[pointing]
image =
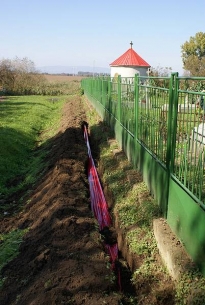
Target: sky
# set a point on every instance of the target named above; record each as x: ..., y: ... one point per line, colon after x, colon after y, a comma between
x: 95, y: 33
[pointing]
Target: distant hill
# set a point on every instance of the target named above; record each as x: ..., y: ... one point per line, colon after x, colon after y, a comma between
x: 72, y: 69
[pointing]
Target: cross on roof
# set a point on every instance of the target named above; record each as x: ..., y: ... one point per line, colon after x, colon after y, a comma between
x: 131, y: 43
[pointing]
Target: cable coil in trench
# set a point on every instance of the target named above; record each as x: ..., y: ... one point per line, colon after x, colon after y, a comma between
x: 99, y: 205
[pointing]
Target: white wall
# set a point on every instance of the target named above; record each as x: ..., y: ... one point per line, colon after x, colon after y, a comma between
x: 128, y: 71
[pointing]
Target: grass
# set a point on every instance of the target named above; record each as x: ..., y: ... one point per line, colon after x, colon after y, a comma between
x: 9, y: 247
x: 26, y: 124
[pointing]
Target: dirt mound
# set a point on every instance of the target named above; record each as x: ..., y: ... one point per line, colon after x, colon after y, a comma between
x: 61, y: 260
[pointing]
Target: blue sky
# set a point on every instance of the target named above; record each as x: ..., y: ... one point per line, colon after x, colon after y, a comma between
x: 95, y: 33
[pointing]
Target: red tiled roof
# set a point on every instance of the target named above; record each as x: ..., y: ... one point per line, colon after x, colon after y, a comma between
x: 130, y: 58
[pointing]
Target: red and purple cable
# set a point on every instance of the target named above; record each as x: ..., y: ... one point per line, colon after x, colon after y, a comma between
x: 99, y: 205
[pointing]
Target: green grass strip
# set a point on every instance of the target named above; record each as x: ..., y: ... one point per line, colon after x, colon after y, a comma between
x: 26, y: 123
x: 9, y: 246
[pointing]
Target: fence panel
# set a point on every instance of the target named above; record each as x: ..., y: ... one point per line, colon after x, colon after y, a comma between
x: 127, y: 104
x: 152, y: 119
x: 190, y: 137
x: 114, y: 97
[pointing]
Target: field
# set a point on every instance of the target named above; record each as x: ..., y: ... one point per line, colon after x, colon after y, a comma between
x: 62, y: 78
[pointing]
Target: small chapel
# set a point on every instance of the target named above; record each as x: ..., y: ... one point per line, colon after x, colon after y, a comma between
x: 129, y: 64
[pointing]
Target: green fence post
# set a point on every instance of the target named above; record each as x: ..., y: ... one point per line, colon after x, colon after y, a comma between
x: 90, y: 86
x: 136, y: 118
x: 119, y: 97
x: 103, y: 92
x: 171, y: 129
x: 93, y: 84
x: 136, y: 99
x: 109, y: 101
x: 169, y: 123
x: 174, y: 121
x: 98, y: 89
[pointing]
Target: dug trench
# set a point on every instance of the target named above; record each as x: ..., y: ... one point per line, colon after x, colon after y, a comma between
x: 61, y: 259
x: 110, y: 234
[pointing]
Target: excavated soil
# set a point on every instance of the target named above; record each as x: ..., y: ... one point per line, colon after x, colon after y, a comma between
x: 62, y: 259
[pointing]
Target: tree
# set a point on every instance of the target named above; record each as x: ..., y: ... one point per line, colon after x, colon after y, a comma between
x: 160, y: 74
x: 160, y: 71
x: 6, y: 74
x: 19, y: 76
x: 193, y: 55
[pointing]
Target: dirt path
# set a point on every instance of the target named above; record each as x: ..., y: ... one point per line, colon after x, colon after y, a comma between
x: 61, y: 260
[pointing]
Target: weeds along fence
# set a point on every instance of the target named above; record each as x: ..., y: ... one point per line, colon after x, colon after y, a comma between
x: 159, y: 122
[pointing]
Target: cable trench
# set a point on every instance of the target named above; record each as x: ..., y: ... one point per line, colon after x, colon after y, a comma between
x: 99, y: 207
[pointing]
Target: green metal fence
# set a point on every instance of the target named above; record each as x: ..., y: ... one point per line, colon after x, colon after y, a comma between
x: 164, y: 114
x: 160, y: 124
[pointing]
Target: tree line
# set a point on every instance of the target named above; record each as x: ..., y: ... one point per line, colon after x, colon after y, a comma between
x: 19, y: 76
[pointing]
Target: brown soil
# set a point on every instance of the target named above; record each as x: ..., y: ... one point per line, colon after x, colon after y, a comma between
x: 62, y: 258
